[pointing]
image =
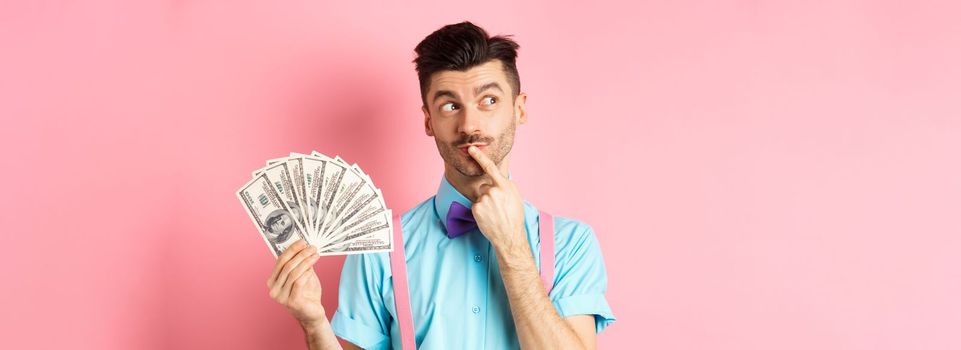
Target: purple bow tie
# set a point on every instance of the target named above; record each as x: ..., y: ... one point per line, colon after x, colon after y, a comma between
x: 460, y: 220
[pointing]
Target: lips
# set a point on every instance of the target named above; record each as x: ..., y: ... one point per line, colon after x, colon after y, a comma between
x: 463, y: 148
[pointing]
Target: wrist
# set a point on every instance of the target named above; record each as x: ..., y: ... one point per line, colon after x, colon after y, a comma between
x: 510, y: 242
x: 316, y: 325
x: 320, y: 334
x: 514, y: 256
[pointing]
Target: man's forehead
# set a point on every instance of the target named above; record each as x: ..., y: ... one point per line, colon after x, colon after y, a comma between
x: 473, y: 78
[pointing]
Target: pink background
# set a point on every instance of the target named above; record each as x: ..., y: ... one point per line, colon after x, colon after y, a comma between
x: 761, y: 175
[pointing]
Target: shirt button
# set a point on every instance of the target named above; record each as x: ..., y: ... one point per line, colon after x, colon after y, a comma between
x: 475, y: 309
x: 478, y: 258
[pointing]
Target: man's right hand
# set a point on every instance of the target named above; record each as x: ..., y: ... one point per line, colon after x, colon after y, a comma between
x: 295, y: 285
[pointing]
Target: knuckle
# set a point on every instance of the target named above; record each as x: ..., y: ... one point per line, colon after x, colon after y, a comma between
x: 304, y: 253
x: 286, y: 271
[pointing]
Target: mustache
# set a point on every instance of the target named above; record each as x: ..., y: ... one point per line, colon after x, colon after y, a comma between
x: 469, y: 139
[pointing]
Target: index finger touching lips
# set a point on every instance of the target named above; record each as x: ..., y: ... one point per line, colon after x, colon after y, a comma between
x: 486, y: 163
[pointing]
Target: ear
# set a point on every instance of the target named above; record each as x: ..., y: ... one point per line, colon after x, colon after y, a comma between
x: 520, y: 108
x: 427, y: 128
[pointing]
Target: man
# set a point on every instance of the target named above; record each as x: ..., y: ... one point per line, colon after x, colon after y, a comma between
x: 468, y: 290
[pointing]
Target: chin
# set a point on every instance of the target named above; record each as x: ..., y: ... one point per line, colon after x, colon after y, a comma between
x: 469, y: 169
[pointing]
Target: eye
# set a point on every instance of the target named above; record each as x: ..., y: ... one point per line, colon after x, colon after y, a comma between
x: 448, y: 107
x: 492, y: 100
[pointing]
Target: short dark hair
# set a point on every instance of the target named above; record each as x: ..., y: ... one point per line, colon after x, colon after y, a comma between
x: 463, y: 46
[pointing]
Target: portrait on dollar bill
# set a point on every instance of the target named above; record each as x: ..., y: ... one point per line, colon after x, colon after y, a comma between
x: 280, y: 226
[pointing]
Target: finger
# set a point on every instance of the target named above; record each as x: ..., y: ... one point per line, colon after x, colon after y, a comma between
x: 298, y: 279
x: 304, y: 267
x: 298, y: 286
x: 277, y: 291
x: 299, y: 271
x: 483, y: 189
x: 487, y: 164
x: 284, y: 258
x: 291, y: 265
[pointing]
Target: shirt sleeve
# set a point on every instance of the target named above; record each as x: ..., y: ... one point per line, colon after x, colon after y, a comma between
x: 580, y: 279
x: 362, y: 317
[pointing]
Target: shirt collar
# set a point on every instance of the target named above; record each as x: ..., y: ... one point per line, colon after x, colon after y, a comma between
x: 447, y: 194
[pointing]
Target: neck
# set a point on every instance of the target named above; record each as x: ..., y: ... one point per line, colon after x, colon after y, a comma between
x: 469, y: 186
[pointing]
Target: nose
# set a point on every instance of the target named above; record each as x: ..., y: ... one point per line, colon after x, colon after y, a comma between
x: 470, y: 121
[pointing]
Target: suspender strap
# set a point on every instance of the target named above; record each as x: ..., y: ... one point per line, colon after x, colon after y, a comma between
x: 547, y: 249
x: 398, y: 267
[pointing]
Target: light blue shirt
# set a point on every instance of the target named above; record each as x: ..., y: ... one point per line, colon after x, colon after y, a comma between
x: 458, y: 300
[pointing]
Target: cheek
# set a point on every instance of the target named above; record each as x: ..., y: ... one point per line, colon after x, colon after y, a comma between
x: 443, y: 132
x: 502, y: 125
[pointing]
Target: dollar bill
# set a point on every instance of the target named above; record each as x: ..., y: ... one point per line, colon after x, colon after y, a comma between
x: 334, y: 174
x: 274, y: 220
x: 366, y: 196
x: 296, y: 167
x: 279, y: 174
x: 314, y: 169
x: 350, y: 184
x: 363, y: 214
x: 326, y: 201
x: 373, y: 235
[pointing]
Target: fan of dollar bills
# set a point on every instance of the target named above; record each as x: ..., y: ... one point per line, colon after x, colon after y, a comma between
x: 330, y: 204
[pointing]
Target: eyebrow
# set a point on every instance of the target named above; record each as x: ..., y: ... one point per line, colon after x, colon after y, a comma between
x: 477, y: 91
x: 484, y: 87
